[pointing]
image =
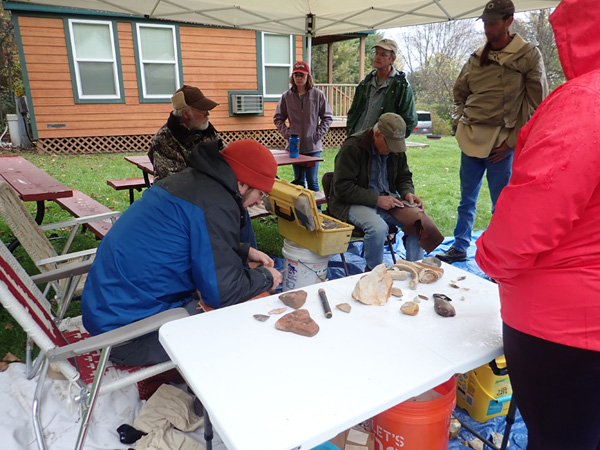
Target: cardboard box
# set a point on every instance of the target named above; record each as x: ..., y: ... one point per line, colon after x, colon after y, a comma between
x: 358, y: 437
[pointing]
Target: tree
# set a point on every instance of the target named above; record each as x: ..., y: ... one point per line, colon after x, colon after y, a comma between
x: 345, y: 60
x: 11, y: 79
x: 537, y: 28
x: 433, y: 55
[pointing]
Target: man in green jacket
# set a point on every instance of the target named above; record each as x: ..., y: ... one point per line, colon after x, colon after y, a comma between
x: 383, y: 90
x: 372, y: 187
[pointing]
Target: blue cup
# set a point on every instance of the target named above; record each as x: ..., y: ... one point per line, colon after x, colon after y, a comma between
x: 294, y: 141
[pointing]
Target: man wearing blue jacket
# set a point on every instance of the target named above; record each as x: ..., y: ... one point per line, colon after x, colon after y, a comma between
x: 182, y: 238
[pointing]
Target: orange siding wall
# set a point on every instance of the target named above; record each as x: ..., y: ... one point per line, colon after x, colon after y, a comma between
x: 216, y: 60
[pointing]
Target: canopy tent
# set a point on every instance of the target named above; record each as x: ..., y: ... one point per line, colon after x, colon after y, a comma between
x: 299, y: 17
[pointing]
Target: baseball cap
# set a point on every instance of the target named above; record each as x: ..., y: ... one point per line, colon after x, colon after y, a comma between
x: 192, y: 96
x: 393, y: 129
x: 301, y: 67
x: 252, y: 163
x: 387, y: 44
x: 496, y: 9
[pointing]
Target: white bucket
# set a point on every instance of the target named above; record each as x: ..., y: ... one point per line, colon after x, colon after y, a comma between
x: 302, y: 267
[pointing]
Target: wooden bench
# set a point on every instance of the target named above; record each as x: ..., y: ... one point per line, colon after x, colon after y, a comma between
x: 80, y: 205
x: 129, y: 183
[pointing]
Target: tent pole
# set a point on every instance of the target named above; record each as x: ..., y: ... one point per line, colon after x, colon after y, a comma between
x: 310, y: 29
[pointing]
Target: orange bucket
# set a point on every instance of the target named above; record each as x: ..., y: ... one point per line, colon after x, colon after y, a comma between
x: 414, y: 425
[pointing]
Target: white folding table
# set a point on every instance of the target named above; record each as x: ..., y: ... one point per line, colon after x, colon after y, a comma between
x: 266, y: 389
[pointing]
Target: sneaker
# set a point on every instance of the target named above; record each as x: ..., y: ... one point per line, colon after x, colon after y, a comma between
x: 452, y: 255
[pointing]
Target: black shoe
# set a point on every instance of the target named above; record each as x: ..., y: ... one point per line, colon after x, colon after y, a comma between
x: 451, y: 256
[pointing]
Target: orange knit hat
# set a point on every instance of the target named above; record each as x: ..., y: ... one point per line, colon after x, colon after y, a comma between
x: 252, y: 163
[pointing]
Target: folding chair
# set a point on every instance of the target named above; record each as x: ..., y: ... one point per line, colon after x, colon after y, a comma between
x: 357, y: 234
x: 69, y: 351
x: 39, y: 248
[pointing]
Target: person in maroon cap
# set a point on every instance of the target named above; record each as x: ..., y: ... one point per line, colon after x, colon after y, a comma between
x: 309, y: 116
x: 188, y: 124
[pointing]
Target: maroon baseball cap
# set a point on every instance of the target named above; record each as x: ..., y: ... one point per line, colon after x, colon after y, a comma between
x: 301, y: 67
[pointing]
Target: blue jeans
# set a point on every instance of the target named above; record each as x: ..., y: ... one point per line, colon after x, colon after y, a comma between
x: 471, y: 178
x: 374, y: 222
x: 310, y: 175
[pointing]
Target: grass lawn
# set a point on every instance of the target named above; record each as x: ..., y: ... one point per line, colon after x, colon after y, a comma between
x: 435, y: 175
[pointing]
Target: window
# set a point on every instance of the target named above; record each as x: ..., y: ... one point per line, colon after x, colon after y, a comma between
x: 277, y: 64
x: 158, y: 60
x: 94, y: 60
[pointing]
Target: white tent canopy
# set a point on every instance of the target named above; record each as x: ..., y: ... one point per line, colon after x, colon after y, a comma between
x: 299, y: 17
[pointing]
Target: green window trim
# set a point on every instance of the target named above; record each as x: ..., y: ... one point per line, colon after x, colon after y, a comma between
x: 74, y: 64
x: 260, y: 65
x: 144, y: 97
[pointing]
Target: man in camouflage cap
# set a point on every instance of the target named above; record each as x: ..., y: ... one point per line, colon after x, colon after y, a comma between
x: 187, y: 125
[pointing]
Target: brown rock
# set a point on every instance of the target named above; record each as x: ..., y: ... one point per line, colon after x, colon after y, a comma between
x: 261, y: 317
x: 277, y: 311
x: 397, y: 292
x: 443, y: 307
x: 298, y: 322
x: 410, y: 308
x: 344, y: 307
x: 294, y: 299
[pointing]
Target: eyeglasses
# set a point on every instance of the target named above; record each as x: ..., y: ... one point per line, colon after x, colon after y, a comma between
x: 299, y: 75
x: 382, y: 54
x: 263, y: 195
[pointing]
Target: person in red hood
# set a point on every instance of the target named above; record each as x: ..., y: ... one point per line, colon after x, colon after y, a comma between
x: 542, y: 247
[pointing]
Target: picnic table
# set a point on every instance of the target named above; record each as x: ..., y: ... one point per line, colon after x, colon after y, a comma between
x: 281, y: 157
x: 143, y: 163
x: 31, y: 183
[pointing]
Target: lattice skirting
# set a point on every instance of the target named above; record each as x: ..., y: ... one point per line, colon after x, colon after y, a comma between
x: 141, y: 143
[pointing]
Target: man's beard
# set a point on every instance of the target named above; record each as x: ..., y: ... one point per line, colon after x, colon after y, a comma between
x: 199, y: 126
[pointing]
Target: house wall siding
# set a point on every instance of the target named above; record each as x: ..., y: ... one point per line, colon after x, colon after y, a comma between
x: 216, y: 60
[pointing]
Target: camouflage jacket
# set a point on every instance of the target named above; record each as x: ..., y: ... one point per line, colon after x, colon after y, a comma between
x: 171, y: 147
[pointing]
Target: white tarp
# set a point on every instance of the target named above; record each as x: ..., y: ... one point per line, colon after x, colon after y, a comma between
x: 290, y: 16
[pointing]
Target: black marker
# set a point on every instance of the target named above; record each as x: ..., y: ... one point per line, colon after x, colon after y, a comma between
x: 325, y: 303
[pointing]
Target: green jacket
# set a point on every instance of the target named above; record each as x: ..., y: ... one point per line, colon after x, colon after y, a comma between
x: 399, y: 99
x: 352, y: 173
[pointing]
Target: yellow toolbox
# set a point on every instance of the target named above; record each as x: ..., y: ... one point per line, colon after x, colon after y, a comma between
x: 300, y: 220
x: 485, y: 392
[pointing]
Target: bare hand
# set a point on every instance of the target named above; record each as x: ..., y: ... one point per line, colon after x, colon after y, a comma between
x: 277, y: 278
x: 263, y: 259
x: 412, y: 198
x: 388, y: 202
x: 499, y: 153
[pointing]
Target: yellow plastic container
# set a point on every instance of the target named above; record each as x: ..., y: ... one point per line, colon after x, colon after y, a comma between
x: 482, y: 393
x: 300, y: 220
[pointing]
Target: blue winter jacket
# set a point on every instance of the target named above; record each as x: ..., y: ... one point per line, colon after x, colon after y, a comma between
x: 182, y: 235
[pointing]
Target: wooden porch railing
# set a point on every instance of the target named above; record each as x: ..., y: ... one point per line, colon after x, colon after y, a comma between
x: 339, y: 96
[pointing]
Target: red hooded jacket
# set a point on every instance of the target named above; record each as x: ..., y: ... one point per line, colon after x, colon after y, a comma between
x: 543, y: 243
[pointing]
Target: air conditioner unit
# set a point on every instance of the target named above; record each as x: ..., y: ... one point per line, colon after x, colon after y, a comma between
x: 247, y: 104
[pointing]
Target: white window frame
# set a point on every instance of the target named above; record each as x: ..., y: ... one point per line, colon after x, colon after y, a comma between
x: 77, y: 60
x: 175, y: 63
x: 265, y: 65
